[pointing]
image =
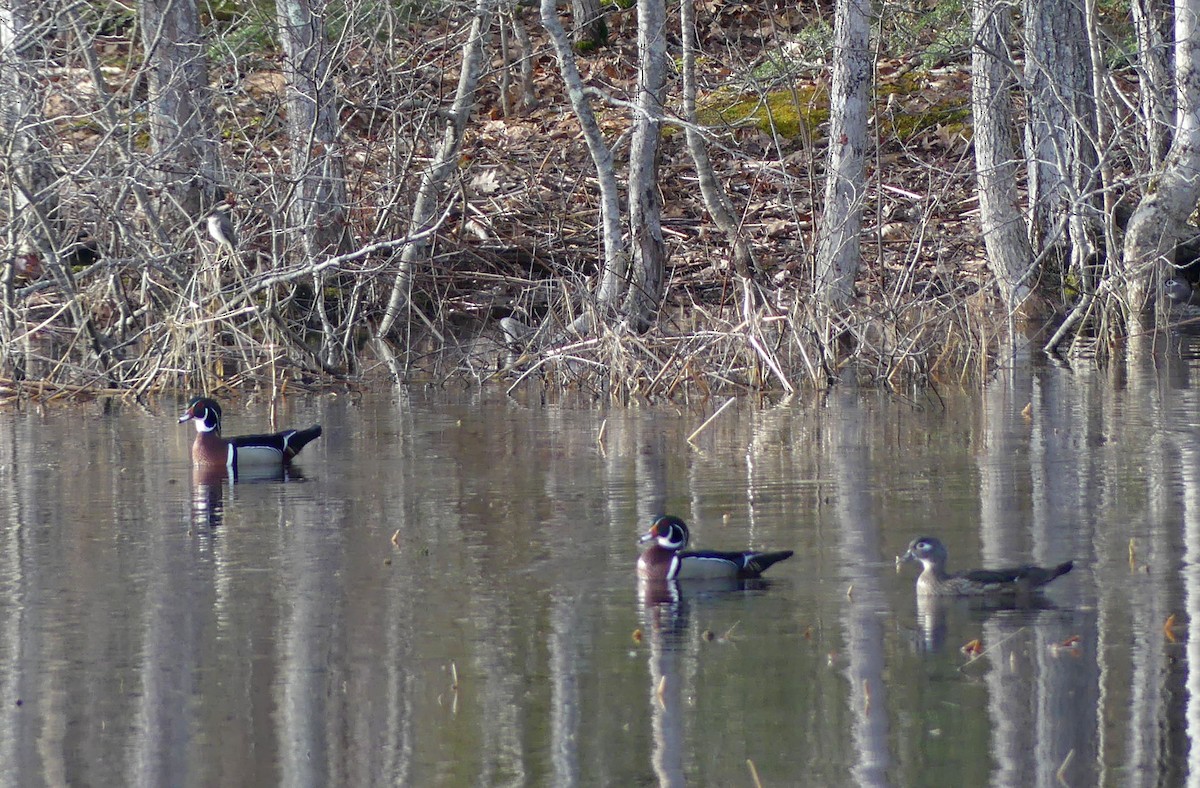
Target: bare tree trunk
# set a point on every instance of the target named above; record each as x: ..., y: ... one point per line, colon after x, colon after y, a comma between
x: 1159, y: 221
x: 29, y: 167
x: 318, y: 211
x: 24, y: 28
x: 1063, y: 182
x: 1151, y: 26
x: 1009, y: 255
x: 590, y: 30
x: 444, y: 163
x: 616, y: 257
x: 645, y: 201
x: 838, y: 251
x: 528, y: 93
x: 716, y: 200
x: 182, y: 127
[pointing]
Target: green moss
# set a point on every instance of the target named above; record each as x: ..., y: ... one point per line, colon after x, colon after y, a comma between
x: 789, y: 113
x: 904, y: 110
x: 907, y: 125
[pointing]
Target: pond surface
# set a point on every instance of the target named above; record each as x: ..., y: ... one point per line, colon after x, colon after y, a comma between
x: 444, y: 594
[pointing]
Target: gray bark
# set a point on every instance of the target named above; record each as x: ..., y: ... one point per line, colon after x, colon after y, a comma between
x: 444, y: 163
x: 590, y: 30
x: 182, y: 127
x: 838, y: 246
x: 1152, y: 28
x: 36, y: 227
x: 1063, y: 183
x: 616, y: 257
x: 1160, y: 219
x: 645, y: 201
x: 21, y: 130
x: 318, y: 211
x: 1004, y: 234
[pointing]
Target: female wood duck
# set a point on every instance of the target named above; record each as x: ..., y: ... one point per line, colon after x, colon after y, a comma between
x: 934, y: 580
x: 210, y: 449
x: 665, y: 559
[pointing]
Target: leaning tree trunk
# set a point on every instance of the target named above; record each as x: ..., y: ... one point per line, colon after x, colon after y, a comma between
x: 182, y: 128
x: 615, y: 266
x: 318, y: 211
x: 1008, y: 251
x: 1159, y: 221
x: 838, y: 250
x: 443, y: 165
x: 645, y: 201
x: 716, y: 200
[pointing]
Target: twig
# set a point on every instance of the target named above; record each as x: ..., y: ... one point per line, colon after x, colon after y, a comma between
x: 710, y: 419
x: 990, y: 648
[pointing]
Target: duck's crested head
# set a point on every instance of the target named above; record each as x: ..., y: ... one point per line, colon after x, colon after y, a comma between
x: 668, y: 532
x: 205, y: 412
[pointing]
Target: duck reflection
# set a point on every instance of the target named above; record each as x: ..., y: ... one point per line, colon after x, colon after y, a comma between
x: 664, y: 622
x: 208, y: 488
x: 665, y: 613
x: 933, y: 614
x: 208, y: 497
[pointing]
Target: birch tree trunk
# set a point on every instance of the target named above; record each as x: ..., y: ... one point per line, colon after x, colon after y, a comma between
x: 318, y: 210
x: 645, y: 202
x: 445, y: 160
x: 182, y: 125
x: 1159, y: 221
x: 1063, y: 182
x: 1009, y: 255
x: 838, y: 249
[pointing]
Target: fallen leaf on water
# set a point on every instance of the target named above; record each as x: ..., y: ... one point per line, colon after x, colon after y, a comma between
x: 1068, y: 647
x: 637, y: 636
x: 1169, y: 628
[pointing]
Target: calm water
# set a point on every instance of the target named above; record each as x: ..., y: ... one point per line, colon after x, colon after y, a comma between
x: 447, y: 596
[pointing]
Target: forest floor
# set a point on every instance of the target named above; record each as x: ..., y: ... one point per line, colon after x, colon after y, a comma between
x: 923, y: 310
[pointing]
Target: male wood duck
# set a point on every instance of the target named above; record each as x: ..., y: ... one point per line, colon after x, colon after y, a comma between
x: 934, y: 580
x: 210, y: 449
x: 666, y: 559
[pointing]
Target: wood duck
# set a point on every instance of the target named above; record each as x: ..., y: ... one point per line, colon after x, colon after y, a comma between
x: 934, y: 580
x: 1180, y: 291
x: 210, y: 449
x: 666, y: 560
